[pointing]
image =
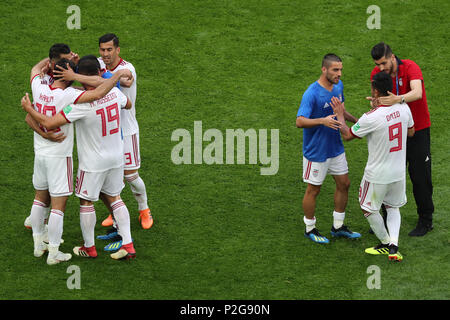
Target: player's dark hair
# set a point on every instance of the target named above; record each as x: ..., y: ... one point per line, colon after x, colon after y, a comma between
x: 92, y: 58
x: 109, y: 37
x: 381, y: 50
x: 88, y: 66
x: 57, y: 50
x: 63, y: 64
x: 329, y: 58
x: 382, y: 82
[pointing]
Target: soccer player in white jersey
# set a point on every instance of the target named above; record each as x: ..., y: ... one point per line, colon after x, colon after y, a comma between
x: 386, y: 129
x: 110, y: 60
x: 57, y: 52
x: 100, y: 146
x: 52, y: 174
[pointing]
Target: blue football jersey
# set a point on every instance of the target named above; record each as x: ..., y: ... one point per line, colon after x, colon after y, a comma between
x: 107, y: 74
x: 320, y: 142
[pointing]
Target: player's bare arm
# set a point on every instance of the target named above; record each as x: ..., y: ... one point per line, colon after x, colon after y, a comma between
x: 37, y: 69
x: 52, y: 136
x: 103, y: 89
x: 413, y: 95
x: 48, y: 122
x: 70, y: 75
x: 329, y: 122
x: 339, y: 110
x: 348, y: 116
x: 129, y: 104
x: 411, y: 131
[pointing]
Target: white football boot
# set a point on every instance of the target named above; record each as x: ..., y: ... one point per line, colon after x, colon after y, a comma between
x: 55, y: 256
x: 40, y: 247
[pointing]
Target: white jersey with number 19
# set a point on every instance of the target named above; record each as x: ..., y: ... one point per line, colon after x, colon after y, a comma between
x: 99, y: 140
x: 386, y: 128
x: 49, y: 101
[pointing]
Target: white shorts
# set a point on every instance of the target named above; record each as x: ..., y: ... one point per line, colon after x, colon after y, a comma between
x: 372, y: 195
x: 90, y: 184
x: 315, y: 172
x: 54, y: 174
x: 132, y: 156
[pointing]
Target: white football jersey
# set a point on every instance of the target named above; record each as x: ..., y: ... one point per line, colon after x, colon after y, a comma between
x: 49, y: 101
x: 386, y: 129
x: 97, y: 125
x: 129, y: 122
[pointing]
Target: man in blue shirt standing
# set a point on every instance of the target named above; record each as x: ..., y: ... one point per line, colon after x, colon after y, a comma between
x: 323, y: 150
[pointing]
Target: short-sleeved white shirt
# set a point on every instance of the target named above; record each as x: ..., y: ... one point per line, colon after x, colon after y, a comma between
x: 49, y: 101
x: 129, y: 123
x: 386, y: 128
x: 97, y: 124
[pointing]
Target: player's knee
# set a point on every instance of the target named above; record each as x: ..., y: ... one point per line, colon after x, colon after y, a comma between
x: 312, y: 190
x: 344, y: 185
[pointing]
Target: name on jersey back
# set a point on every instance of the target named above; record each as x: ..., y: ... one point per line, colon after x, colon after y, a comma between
x: 393, y: 115
x: 109, y: 97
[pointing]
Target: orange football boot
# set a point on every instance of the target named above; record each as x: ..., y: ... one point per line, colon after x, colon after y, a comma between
x: 146, y: 219
x: 108, y: 222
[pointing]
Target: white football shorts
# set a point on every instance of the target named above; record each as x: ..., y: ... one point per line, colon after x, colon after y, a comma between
x: 54, y: 174
x: 90, y: 184
x: 132, y: 156
x: 372, y: 195
x: 315, y: 172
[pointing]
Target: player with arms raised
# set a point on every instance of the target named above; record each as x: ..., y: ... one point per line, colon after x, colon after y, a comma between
x: 386, y: 129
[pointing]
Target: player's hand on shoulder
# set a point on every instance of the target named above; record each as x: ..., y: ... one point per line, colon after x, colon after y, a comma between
x: 125, y: 73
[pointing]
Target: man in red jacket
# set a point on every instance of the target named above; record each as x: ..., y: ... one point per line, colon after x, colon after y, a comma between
x: 408, y: 87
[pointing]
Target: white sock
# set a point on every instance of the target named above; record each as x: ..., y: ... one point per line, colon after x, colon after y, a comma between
x: 137, y: 186
x: 338, y: 219
x: 122, y: 218
x: 310, y: 223
x: 377, y: 224
x: 393, y: 222
x: 87, y: 223
x: 55, y: 227
x: 37, y: 216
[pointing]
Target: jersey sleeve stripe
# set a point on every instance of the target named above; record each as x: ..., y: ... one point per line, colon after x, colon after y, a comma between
x: 353, y: 134
x: 79, y: 96
x: 62, y: 112
x: 36, y: 75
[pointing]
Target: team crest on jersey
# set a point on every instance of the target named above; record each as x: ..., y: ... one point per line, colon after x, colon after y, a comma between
x: 326, y: 105
x: 340, y: 97
x: 400, y: 81
x: 315, y: 173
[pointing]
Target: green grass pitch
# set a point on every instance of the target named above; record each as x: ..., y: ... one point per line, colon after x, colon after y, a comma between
x: 225, y: 231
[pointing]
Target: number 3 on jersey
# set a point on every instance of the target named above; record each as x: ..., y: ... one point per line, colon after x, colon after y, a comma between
x: 111, y: 115
x: 395, y: 133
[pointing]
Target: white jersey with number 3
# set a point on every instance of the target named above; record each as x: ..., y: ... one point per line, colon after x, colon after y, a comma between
x: 129, y: 122
x: 97, y: 124
x: 386, y: 128
x: 50, y: 101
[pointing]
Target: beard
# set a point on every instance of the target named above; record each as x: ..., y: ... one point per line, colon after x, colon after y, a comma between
x: 332, y: 80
